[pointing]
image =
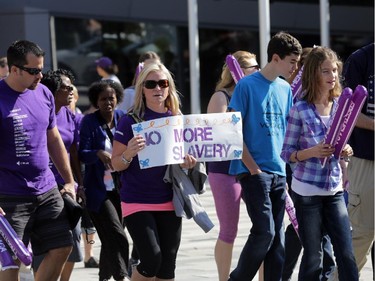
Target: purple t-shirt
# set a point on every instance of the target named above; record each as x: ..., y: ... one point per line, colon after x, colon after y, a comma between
x: 69, y: 134
x: 142, y: 186
x: 25, y: 119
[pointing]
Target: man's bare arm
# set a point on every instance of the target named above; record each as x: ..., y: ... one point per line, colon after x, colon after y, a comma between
x: 365, y: 122
x: 249, y: 161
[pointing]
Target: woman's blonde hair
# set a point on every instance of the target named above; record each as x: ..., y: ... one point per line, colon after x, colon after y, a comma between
x: 172, y: 102
x: 226, y: 79
x: 311, y: 76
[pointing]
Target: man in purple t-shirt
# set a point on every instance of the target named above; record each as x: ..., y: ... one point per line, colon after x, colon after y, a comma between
x: 29, y: 198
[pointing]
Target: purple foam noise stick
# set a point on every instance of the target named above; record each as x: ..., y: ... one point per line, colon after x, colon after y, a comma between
x: 138, y: 70
x: 6, y: 259
x: 14, y: 242
x: 354, y: 109
x: 291, y: 211
x: 297, y: 85
x: 337, y: 119
x: 234, y: 68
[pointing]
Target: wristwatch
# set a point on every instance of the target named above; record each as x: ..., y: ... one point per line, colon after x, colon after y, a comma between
x: 124, y: 160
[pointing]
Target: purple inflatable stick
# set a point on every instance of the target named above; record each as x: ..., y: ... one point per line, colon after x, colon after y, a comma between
x: 14, y: 242
x: 291, y: 211
x: 297, y: 85
x: 354, y: 109
x: 337, y: 119
x: 6, y: 259
x: 138, y: 70
x: 234, y: 68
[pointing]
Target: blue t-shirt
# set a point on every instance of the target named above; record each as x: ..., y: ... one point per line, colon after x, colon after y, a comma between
x: 25, y: 119
x: 264, y: 106
x: 142, y: 186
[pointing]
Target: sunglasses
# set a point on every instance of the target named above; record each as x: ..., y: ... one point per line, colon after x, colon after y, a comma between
x: 31, y: 71
x: 151, y: 84
x: 66, y: 87
x: 257, y: 67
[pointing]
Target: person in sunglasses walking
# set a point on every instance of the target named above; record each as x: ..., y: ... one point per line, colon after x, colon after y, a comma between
x: 29, y: 197
x: 146, y: 199
x: 59, y: 82
x: 226, y: 190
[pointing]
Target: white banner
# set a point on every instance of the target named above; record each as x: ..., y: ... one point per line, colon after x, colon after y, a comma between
x: 208, y: 137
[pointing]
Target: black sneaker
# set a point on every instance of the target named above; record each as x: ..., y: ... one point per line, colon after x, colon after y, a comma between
x: 92, y: 263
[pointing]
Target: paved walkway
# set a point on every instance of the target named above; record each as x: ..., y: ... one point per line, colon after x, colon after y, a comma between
x: 196, y: 255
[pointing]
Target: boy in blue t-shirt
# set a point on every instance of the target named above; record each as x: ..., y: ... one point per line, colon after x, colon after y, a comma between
x: 264, y: 100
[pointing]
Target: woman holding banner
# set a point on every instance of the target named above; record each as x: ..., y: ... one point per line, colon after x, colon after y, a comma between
x: 146, y: 199
x: 318, y: 189
x: 225, y: 188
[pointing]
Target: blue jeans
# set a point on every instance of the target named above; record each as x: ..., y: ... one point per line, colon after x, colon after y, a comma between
x: 316, y: 214
x: 293, y: 249
x: 264, y: 196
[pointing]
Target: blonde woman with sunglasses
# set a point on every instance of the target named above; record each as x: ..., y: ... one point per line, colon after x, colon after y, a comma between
x: 226, y: 190
x: 146, y: 199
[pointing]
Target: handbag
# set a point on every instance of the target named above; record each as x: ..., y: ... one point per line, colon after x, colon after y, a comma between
x: 73, y: 210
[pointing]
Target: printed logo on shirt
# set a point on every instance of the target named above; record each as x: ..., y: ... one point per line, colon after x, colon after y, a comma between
x: 273, y: 118
x: 20, y: 134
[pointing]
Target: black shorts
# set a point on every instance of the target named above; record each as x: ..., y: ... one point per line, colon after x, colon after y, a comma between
x: 75, y: 255
x: 39, y: 219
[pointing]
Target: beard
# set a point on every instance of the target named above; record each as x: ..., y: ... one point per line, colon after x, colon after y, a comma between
x: 33, y: 85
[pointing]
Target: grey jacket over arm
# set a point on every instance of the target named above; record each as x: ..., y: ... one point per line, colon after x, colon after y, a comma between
x: 186, y: 190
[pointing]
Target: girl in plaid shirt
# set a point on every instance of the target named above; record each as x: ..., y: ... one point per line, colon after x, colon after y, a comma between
x: 318, y: 190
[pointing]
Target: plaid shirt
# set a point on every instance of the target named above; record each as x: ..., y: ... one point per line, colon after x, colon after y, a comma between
x: 306, y: 129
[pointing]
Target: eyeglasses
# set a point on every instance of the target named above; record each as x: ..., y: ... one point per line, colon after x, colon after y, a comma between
x: 257, y: 67
x: 31, y: 71
x: 66, y: 87
x: 151, y: 84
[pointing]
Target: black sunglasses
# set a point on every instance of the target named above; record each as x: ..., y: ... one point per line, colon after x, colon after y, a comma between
x: 31, y: 71
x: 151, y: 84
x: 253, y: 66
x: 66, y: 87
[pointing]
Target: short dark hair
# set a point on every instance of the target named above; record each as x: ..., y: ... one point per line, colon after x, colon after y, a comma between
x: 18, y: 51
x: 283, y: 44
x: 97, y: 87
x: 67, y: 73
x: 52, y: 79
